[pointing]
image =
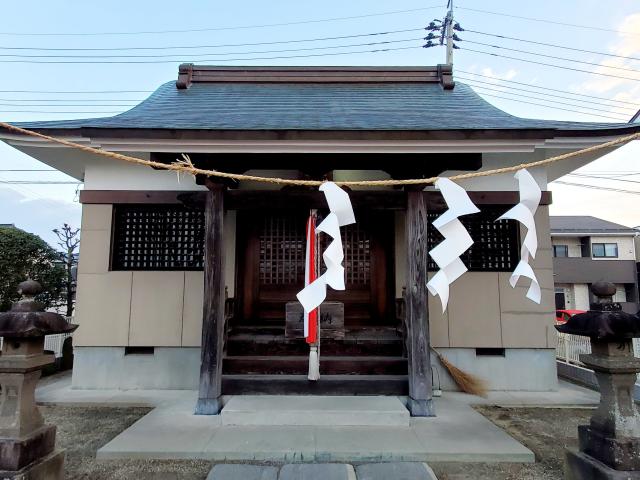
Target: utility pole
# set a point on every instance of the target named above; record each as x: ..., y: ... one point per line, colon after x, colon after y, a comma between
x: 449, y: 32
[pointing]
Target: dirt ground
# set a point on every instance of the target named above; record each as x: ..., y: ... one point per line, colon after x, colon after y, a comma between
x: 545, y: 431
x: 82, y: 430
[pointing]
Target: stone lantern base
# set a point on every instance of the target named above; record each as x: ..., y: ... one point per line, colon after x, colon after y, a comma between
x: 579, y: 466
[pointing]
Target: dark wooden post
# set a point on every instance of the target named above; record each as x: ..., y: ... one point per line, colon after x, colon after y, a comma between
x: 417, y: 307
x: 209, y: 397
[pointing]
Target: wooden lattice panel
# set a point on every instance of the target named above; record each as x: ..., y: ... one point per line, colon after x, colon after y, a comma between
x: 496, y: 244
x: 157, y: 237
x: 282, y: 250
x: 357, y: 255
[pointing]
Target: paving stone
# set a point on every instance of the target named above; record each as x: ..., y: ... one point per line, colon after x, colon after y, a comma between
x: 317, y: 471
x: 231, y: 471
x: 395, y: 471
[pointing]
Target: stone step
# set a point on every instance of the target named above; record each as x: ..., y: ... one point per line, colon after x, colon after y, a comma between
x: 327, y: 385
x: 296, y: 410
x: 329, y: 365
x: 248, y: 344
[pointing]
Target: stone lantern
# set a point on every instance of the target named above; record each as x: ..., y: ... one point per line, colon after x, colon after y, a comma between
x: 609, y: 447
x: 27, y: 445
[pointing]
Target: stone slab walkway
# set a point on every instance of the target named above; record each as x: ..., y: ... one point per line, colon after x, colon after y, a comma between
x: 324, y: 471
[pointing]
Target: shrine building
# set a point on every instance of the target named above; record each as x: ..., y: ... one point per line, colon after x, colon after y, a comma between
x: 160, y: 252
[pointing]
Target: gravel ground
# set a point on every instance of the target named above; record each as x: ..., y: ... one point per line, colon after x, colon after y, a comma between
x: 82, y: 430
x: 545, y: 431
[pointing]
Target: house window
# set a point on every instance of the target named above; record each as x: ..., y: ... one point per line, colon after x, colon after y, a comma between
x: 560, y: 250
x: 496, y: 245
x: 157, y: 237
x: 605, y: 250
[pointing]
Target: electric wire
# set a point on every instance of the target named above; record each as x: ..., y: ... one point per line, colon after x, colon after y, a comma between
x: 544, y: 20
x: 554, y: 101
x: 221, y: 45
x: 597, y: 187
x: 217, y: 29
x: 139, y: 62
x: 551, y: 106
x: 480, y: 84
x: 181, y: 59
x: 526, y: 60
x: 527, y: 52
x: 554, y: 45
x: 530, y: 85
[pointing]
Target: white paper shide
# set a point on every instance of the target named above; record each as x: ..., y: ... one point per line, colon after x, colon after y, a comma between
x: 341, y: 214
x: 524, y: 212
x: 456, y: 239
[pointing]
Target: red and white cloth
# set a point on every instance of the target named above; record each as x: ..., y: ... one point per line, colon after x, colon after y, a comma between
x: 310, y: 274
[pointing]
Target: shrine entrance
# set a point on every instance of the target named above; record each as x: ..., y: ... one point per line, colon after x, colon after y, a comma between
x: 270, y: 267
x: 262, y: 356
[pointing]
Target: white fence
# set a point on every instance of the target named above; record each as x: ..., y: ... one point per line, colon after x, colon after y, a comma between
x: 570, y: 347
x: 53, y: 342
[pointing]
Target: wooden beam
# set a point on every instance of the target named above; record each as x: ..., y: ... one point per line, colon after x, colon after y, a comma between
x: 420, y: 401
x: 210, y: 392
x: 292, y: 198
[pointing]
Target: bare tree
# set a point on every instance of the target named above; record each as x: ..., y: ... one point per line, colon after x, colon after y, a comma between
x: 69, y: 241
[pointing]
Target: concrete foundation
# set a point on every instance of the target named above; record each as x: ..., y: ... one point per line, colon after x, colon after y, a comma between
x: 579, y: 466
x: 172, y: 368
x: 177, y: 368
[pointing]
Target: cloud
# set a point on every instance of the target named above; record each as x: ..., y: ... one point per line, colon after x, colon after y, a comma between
x: 508, y: 75
x: 627, y: 44
x: 39, y: 216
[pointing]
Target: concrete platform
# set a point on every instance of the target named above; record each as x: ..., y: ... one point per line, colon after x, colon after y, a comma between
x: 171, y: 431
x: 458, y: 433
x: 296, y: 410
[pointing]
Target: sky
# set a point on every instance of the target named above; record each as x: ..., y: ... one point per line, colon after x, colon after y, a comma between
x: 118, y: 24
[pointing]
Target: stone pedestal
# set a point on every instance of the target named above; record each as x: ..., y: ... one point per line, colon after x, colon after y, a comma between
x: 27, y: 445
x: 609, y: 447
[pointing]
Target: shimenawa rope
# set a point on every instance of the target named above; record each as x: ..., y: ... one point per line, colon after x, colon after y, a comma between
x: 186, y: 166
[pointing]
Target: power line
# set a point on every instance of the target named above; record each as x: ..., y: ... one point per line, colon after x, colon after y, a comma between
x: 378, y: 50
x: 546, y: 56
x: 132, y: 100
x: 51, y: 111
x: 217, y: 29
x: 220, y: 45
x: 580, y: 175
x: 501, y: 89
x: 550, y: 106
x: 547, y: 88
x: 76, y: 91
x: 552, y: 22
x: 67, y: 105
x: 535, y: 42
x: 38, y: 182
x: 597, y: 187
x: 550, y: 65
x: 180, y: 59
x: 547, y: 94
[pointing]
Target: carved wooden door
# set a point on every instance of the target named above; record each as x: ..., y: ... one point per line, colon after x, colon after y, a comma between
x: 271, y: 258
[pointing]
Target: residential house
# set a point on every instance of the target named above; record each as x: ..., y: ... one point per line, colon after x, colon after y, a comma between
x: 588, y: 249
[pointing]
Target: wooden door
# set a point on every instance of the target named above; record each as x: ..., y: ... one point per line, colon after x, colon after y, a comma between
x: 271, y: 254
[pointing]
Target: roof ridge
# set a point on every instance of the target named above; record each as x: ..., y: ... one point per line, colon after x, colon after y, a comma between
x: 188, y: 74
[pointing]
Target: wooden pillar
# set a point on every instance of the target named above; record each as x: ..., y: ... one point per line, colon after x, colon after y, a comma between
x: 209, y: 397
x: 420, y: 402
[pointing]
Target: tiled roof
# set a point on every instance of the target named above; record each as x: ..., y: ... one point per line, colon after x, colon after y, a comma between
x: 307, y: 105
x: 586, y: 224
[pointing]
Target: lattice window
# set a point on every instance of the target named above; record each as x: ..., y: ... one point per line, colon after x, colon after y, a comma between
x: 157, y: 237
x: 357, y: 255
x: 282, y: 250
x: 496, y: 244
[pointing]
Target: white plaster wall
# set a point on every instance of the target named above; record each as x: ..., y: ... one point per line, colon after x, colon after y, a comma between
x: 113, y: 175
x: 581, y: 294
x: 621, y: 294
x: 626, y: 248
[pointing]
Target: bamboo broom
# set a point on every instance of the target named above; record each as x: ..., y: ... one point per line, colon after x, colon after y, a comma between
x: 467, y: 382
